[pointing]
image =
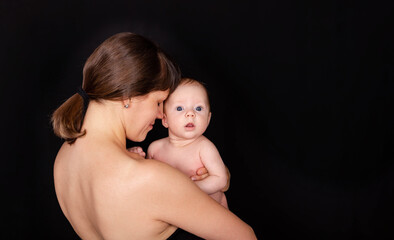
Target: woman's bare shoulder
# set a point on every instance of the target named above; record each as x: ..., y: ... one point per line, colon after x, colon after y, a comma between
x: 155, y: 170
x: 154, y: 183
x: 158, y: 179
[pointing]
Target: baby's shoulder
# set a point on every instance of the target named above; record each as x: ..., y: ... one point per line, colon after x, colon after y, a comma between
x: 205, y: 142
x: 159, y: 142
x: 156, y: 146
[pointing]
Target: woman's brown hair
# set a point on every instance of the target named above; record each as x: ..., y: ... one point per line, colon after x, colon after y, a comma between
x: 125, y: 65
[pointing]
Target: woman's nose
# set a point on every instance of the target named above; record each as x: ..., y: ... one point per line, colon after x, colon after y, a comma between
x: 160, y: 112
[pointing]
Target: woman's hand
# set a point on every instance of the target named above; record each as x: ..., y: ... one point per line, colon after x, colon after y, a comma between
x: 202, y: 173
x: 137, y: 150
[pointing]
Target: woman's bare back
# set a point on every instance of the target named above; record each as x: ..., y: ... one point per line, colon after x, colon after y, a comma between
x: 103, y: 193
x: 109, y: 193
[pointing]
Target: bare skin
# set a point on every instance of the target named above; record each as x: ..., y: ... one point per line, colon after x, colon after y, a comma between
x: 106, y: 192
x: 188, y: 158
x: 200, y: 174
x: 187, y: 116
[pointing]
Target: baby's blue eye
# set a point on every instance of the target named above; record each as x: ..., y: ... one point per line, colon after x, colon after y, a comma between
x: 179, y: 108
x: 198, y: 108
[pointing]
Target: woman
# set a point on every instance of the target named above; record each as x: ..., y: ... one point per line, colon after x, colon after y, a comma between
x: 107, y: 192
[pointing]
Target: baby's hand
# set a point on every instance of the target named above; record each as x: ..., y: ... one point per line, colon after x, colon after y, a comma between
x: 137, y: 150
x: 201, y: 173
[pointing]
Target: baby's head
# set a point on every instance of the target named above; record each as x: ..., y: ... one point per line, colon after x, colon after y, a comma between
x: 188, y: 107
x: 192, y: 83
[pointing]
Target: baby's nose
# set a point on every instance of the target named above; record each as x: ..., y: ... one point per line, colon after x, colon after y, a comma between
x: 190, y: 114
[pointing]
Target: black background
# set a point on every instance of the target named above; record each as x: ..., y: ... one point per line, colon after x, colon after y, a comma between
x: 302, y: 97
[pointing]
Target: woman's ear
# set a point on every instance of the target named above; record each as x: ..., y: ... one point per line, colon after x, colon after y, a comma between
x: 164, y: 121
x: 126, y: 103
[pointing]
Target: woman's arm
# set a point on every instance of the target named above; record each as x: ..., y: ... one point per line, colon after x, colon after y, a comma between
x: 178, y: 201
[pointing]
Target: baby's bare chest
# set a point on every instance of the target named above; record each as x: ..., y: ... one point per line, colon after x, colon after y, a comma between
x: 185, y: 160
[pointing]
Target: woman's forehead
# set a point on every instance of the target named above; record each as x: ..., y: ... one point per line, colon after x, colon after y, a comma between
x: 155, y: 95
x: 160, y: 94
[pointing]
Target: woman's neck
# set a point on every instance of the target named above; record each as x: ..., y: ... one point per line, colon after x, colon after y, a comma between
x: 103, y: 120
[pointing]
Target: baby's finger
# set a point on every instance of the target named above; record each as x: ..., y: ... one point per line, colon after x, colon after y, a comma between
x: 135, y: 149
x: 132, y: 149
x: 204, y: 176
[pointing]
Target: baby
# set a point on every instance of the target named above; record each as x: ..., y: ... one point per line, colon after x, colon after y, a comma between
x: 187, y: 115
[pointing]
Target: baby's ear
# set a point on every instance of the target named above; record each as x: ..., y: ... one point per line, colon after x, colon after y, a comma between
x: 164, y: 121
x: 209, y: 117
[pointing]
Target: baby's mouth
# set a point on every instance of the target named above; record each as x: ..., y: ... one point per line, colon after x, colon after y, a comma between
x: 189, y: 125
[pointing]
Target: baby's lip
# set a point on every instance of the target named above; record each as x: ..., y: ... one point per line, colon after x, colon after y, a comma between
x: 189, y: 125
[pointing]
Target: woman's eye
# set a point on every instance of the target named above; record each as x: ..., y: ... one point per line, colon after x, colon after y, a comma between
x: 198, y: 109
x: 179, y: 108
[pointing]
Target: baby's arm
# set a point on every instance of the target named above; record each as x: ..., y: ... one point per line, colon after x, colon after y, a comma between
x: 154, y: 149
x: 217, y: 179
x: 202, y: 173
x: 150, y: 153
